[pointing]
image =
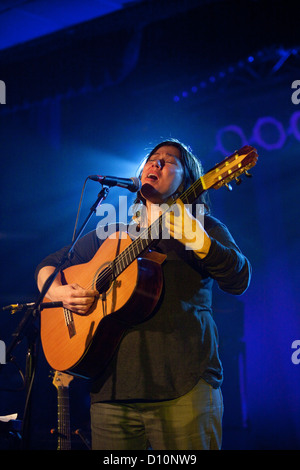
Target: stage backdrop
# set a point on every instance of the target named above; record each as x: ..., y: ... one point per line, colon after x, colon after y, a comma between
x: 49, y: 147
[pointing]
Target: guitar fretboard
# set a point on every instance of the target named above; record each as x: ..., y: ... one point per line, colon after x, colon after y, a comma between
x: 63, y: 419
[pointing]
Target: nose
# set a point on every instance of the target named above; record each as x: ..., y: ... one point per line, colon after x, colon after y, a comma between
x: 158, y: 163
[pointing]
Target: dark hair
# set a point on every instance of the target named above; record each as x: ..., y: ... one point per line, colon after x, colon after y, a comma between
x: 192, y: 167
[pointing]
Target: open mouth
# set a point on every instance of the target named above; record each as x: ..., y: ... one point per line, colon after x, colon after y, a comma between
x: 152, y: 177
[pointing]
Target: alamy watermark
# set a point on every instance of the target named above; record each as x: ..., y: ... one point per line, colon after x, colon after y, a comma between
x: 2, y: 352
x: 296, y: 354
x: 147, y: 224
x: 2, y: 92
x: 296, y: 94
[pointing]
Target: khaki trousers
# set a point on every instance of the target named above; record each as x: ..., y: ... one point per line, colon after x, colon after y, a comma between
x: 190, y: 422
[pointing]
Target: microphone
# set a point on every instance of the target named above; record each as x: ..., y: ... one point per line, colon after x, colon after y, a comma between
x: 19, y: 307
x: 133, y: 184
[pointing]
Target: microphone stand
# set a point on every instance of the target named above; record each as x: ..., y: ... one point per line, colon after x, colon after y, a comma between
x: 27, y: 328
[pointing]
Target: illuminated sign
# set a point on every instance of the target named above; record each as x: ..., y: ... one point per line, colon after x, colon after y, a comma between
x: 259, y: 132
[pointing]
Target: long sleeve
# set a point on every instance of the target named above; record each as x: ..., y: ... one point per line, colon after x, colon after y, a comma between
x: 83, y: 251
x: 225, y: 262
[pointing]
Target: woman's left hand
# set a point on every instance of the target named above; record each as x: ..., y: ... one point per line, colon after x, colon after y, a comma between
x: 187, y: 229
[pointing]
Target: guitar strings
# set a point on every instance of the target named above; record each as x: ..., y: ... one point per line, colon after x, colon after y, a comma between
x: 106, y: 275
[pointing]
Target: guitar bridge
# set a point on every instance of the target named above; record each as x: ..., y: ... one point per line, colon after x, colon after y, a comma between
x: 70, y: 322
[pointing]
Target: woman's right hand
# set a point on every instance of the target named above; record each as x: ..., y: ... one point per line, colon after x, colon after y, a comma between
x: 74, y: 297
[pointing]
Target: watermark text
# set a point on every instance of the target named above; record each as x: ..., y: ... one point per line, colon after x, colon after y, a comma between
x: 296, y: 94
x: 153, y: 223
x: 2, y: 92
x: 2, y: 352
x: 296, y: 354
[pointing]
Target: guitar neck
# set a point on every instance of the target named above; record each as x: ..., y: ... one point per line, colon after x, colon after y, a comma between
x: 152, y: 234
x: 63, y: 419
x: 220, y: 175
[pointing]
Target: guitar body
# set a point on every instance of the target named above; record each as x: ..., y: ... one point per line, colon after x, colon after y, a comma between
x: 83, y: 344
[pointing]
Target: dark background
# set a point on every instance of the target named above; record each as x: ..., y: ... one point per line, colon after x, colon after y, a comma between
x: 92, y: 98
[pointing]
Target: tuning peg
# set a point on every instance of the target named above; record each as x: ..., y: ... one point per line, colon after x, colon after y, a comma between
x: 248, y: 174
x: 228, y: 186
x: 238, y: 181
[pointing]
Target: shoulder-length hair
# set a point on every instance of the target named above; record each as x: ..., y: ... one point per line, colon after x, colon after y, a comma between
x: 192, y: 167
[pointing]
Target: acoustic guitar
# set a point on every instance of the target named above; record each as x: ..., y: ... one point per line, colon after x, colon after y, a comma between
x: 128, y: 276
x: 61, y: 382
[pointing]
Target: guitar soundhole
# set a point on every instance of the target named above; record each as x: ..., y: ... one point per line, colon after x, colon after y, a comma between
x: 104, y: 280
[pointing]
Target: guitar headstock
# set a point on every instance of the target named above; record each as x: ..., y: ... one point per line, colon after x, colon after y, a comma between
x: 60, y: 379
x: 231, y: 168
